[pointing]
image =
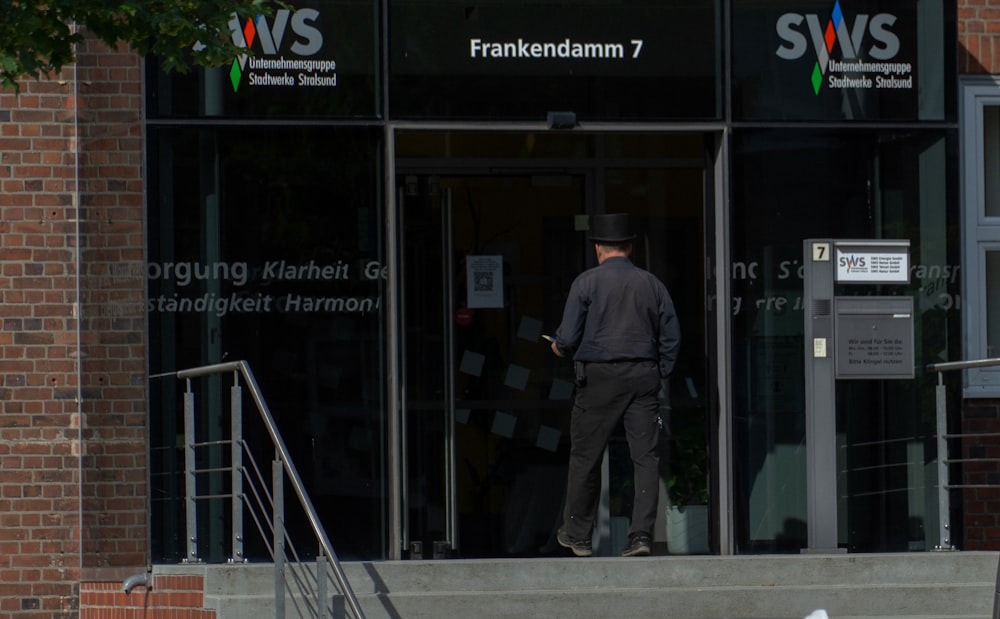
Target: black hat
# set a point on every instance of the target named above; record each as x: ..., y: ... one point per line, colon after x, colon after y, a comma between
x: 610, y: 228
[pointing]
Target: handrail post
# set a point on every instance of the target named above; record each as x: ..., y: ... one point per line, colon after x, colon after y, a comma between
x: 281, y: 466
x: 190, y: 478
x: 944, y: 498
x: 321, y: 594
x: 941, y: 413
x: 299, y: 488
x: 236, y: 467
x: 277, y: 483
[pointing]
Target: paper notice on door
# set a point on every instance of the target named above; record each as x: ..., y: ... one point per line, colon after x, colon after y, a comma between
x: 485, y: 281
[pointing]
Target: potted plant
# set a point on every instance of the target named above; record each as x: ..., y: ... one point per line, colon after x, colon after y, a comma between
x: 685, y: 476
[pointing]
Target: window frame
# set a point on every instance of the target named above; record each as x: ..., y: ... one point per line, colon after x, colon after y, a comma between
x: 981, y: 232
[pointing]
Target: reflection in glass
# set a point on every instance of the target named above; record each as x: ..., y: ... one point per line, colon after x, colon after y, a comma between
x: 265, y: 246
x: 892, y: 186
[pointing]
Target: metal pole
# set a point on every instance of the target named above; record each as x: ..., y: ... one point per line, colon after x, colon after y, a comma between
x: 397, y: 500
x: 321, y: 595
x: 293, y: 474
x: 821, y: 419
x: 941, y: 410
x: 448, y: 276
x: 723, y: 346
x: 944, y: 500
x: 190, y: 478
x: 277, y: 482
x: 236, y: 464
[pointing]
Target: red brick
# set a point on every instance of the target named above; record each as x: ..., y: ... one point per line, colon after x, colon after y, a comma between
x: 42, y: 341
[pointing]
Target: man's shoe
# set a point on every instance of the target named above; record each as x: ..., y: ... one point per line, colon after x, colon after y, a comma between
x: 639, y: 545
x: 580, y: 547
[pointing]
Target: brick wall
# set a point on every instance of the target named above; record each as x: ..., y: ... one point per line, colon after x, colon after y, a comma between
x: 978, y: 36
x: 174, y: 596
x: 113, y: 328
x: 72, y: 396
x: 979, y: 53
x: 981, y: 506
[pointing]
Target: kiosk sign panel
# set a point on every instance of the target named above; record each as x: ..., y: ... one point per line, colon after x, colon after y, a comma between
x: 868, y: 264
x: 874, y: 337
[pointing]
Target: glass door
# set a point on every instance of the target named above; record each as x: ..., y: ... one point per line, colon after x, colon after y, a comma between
x: 486, y: 261
x: 492, y: 232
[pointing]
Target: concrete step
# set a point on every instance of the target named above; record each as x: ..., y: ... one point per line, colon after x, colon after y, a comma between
x: 953, y: 585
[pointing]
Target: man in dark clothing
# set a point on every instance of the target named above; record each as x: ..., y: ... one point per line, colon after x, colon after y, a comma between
x: 621, y: 329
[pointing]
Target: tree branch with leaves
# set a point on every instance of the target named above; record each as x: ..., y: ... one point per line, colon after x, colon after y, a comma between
x: 39, y: 38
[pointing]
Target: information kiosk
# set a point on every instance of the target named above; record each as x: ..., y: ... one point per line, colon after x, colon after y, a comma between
x: 847, y: 337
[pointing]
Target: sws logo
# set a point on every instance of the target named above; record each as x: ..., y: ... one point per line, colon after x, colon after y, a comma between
x: 853, y: 262
x: 850, y: 38
x: 269, y: 37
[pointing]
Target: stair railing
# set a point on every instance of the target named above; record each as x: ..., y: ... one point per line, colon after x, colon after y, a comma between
x: 944, y: 459
x: 265, y: 506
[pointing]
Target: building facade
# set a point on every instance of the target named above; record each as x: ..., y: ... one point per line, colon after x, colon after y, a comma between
x: 381, y: 210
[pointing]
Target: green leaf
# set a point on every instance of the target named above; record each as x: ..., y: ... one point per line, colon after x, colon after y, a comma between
x: 38, y: 38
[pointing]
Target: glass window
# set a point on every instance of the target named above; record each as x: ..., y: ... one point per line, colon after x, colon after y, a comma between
x: 993, y: 303
x: 991, y: 161
x: 603, y: 60
x: 864, y: 60
x: 981, y: 216
x: 265, y: 246
x: 840, y: 185
x: 311, y: 59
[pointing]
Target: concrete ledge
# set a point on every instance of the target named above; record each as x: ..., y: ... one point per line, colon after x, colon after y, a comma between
x: 953, y: 585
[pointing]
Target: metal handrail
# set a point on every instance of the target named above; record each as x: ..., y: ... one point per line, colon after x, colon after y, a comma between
x: 941, y: 406
x: 289, y: 469
x: 945, y: 366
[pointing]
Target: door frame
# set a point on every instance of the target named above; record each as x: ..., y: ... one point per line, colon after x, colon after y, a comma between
x: 449, y: 401
x: 718, y: 331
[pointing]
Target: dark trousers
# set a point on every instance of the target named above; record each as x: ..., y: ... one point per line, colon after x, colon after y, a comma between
x: 610, y: 391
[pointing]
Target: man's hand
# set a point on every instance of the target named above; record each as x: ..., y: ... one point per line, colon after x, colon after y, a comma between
x: 555, y: 349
